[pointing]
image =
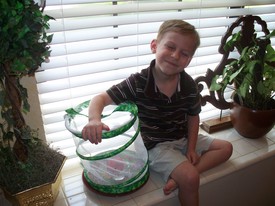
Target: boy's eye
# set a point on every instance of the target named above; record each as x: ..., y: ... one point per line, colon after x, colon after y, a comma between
x: 173, y: 48
x: 170, y: 47
x: 184, y: 54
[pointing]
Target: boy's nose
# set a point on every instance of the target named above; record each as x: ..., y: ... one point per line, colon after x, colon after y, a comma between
x: 175, y: 55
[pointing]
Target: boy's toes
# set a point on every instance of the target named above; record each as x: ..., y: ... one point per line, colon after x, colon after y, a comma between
x: 170, y: 186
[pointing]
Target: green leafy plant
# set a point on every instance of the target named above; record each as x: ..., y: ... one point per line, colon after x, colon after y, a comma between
x: 24, y: 47
x: 252, y: 75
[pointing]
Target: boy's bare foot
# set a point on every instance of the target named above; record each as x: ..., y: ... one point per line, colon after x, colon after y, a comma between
x: 170, y: 186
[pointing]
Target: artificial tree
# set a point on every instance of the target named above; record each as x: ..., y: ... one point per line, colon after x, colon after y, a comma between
x: 24, y: 47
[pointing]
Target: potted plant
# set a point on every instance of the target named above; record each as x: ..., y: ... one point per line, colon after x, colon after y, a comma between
x: 252, y: 78
x: 26, y: 161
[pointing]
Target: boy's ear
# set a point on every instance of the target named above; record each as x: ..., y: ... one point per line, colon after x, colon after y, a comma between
x: 153, y: 46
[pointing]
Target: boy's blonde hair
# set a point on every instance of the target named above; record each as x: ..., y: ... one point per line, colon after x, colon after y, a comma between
x: 181, y: 27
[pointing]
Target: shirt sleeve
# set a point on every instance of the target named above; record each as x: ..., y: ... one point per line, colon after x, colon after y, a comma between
x: 123, y: 91
x: 195, y: 108
x: 195, y: 100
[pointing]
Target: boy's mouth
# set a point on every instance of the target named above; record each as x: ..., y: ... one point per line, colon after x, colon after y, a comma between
x: 172, y: 63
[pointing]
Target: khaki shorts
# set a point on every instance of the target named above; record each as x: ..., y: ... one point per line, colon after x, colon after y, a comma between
x: 166, y: 156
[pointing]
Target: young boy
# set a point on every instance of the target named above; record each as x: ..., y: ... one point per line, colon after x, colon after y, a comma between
x: 169, y: 106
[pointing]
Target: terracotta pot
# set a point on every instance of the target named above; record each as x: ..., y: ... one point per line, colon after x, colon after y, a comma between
x: 252, y: 123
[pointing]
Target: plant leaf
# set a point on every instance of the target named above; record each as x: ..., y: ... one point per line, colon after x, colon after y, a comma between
x: 243, y: 88
x: 261, y: 88
x: 232, y: 42
x: 270, y: 53
x: 251, y: 65
x: 271, y: 34
x: 214, y: 85
x: 235, y: 74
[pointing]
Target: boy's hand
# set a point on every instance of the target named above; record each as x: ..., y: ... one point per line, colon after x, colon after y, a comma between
x: 193, y: 157
x: 93, y: 131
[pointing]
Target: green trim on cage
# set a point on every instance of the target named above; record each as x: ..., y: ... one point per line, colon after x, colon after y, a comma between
x: 120, y: 188
x: 109, y: 153
x: 127, y: 106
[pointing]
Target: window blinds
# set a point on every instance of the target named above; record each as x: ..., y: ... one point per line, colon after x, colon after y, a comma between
x: 98, y: 43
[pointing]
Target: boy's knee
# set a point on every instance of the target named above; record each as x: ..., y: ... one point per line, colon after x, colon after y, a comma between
x: 228, y: 149
x: 190, y: 179
x: 224, y: 147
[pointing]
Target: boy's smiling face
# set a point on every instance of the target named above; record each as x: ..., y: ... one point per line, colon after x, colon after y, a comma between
x: 174, y: 52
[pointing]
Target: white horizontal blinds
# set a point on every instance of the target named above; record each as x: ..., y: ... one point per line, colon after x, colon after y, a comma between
x: 98, y: 43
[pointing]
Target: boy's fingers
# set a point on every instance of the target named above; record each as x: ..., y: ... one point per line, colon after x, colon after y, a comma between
x: 105, y: 127
x: 94, y: 134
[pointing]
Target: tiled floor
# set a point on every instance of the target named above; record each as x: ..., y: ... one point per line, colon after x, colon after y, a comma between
x: 246, y: 152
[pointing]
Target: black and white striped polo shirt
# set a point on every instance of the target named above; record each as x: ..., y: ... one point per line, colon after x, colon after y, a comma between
x: 161, y: 118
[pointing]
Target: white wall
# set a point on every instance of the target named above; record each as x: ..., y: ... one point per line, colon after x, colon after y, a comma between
x: 33, y: 118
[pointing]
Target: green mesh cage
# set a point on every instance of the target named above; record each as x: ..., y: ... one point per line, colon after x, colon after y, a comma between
x: 119, y: 164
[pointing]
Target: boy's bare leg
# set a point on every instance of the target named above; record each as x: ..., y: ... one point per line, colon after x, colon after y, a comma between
x: 186, y: 178
x: 219, y: 151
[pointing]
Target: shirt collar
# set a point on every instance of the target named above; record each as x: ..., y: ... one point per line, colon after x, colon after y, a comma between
x: 151, y: 89
x: 150, y: 84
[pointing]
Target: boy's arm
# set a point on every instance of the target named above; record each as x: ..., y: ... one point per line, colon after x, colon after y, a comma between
x: 93, y: 130
x: 193, y: 129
